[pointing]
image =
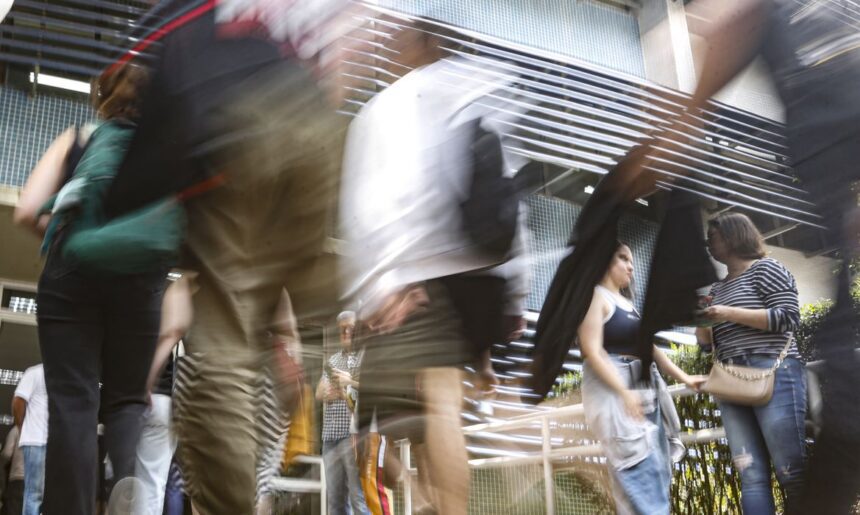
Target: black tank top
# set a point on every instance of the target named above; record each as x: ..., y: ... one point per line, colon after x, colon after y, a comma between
x: 621, y: 329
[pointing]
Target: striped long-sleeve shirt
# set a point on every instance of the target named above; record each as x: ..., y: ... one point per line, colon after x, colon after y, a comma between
x: 767, y: 284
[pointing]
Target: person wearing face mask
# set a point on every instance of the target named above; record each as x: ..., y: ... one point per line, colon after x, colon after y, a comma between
x: 627, y: 410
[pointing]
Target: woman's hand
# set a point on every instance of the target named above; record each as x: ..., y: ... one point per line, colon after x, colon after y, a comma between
x: 632, y: 404
x: 755, y: 318
x: 694, y: 382
x: 397, y: 308
x: 719, y: 313
x: 487, y: 380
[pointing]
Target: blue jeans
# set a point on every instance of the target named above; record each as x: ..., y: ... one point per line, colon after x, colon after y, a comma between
x: 771, y: 434
x: 174, y: 500
x: 643, y: 489
x: 343, y: 486
x: 34, y: 478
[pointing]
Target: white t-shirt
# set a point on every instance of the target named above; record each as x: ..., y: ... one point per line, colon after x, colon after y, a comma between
x: 32, y: 389
x: 411, y: 230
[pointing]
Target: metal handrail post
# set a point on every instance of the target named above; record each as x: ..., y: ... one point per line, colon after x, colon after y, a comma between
x: 549, y: 482
x: 406, y: 462
x: 323, y: 492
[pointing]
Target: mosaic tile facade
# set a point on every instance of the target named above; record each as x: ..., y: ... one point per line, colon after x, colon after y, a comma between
x: 550, y: 222
x: 28, y: 125
x: 587, y: 30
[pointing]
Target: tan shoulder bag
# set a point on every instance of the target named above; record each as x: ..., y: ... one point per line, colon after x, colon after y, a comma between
x: 738, y: 384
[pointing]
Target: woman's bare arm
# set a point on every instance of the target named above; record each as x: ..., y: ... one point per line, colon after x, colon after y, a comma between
x: 45, y: 180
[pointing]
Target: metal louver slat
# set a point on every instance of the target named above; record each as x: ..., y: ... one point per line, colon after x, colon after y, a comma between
x: 49, y: 63
x: 583, y: 119
x: 117, y: 21
x: 50, y: 24
x: 77, y: 38
x: 43, y: 35
x: 47, y: 49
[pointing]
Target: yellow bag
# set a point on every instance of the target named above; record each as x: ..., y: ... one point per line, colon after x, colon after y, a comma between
x: 300, y: 439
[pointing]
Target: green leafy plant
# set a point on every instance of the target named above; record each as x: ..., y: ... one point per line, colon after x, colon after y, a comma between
x: 567, y: 390
x: 704, y: 481
x: 811, y: 317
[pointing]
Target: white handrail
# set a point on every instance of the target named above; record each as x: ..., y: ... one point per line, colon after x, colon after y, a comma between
x: 304, y: 485
x: 572, y: 411
x: 547, y: 455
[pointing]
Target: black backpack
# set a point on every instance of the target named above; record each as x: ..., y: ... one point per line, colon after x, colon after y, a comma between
x: 491, y: 209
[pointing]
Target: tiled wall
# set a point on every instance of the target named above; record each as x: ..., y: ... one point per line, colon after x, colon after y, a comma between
x: 27, y: 127
x: 584, y: 29
x: 550, y: 221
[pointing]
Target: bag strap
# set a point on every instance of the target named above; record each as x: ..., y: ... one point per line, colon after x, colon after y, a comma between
x: 767, y: 372
x: 782, y: 355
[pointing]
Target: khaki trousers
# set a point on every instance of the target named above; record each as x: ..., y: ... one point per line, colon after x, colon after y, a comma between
x: 261, y: 231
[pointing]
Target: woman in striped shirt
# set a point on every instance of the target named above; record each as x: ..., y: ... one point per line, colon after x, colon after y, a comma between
x: 755, y: 310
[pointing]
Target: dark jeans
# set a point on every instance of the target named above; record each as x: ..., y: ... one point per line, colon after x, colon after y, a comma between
x: 93, y: 330
x: 13, y: 497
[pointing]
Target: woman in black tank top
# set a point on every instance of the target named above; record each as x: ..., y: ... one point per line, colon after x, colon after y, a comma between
x: 629, y: 414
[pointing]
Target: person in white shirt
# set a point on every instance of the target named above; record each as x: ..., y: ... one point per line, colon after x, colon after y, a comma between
x: 30, y: 409
x: 407, y: 171
x: 157, y: 439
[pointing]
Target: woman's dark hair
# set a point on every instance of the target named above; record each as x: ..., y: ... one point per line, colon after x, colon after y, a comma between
x: 741, y: 236
x: 118, y: 91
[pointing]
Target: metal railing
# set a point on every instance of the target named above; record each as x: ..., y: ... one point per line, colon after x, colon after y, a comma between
x: 305, y: 485
x: 548, y: 454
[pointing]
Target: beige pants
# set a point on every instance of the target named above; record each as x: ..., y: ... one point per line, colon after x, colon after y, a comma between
x: 248, y: 239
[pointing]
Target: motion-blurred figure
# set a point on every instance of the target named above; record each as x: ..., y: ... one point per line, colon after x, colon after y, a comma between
x: 812, y: 51
x: 275, y: 412
x: 236, y: 122
x: 410, y: 167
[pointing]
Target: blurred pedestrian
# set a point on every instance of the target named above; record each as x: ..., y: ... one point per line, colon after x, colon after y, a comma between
x: 421, y: 276
x: 251, y: 134
x: 30, y: 408
x: 95, y: 327
x: 12, y: 458
x: 340, y: 381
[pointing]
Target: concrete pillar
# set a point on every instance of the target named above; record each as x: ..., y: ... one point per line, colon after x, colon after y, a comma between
x: 666, y: 44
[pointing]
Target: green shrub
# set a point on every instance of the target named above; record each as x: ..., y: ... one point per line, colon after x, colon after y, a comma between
x: 811, y: 317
